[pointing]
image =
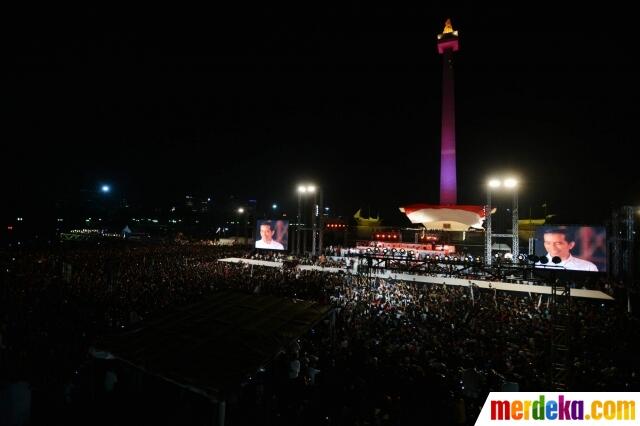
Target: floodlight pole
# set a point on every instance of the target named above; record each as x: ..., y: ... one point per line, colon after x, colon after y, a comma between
x: 515, y: 250
x: 515, y: 242
x: 487, y: 243
x: 314, y: 214
x: 321, y: 224
x: 298, y: 223
x: 239, y: 212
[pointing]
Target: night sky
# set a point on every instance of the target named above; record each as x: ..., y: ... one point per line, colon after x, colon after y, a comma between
x: 247, y: 102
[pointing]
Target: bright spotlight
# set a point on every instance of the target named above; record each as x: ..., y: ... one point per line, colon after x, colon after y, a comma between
x: 494, y: 183
x: 240, y: 210
x: 275, y: 206
x: 311, y: 188
x: 105, y: 188
x: 510, y: 183
x: 302, y: 189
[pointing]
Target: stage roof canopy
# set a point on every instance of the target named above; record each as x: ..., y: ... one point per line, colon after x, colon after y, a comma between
x: 212, y: 345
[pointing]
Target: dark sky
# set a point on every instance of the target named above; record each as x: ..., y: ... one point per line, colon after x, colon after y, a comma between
x: 161, y: 103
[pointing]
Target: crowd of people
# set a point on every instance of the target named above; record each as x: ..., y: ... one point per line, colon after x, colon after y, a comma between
x: 397, y: 353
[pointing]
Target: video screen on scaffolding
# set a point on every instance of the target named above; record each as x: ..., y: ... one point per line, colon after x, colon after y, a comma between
x: 272, y: 234
x: 579, y: 248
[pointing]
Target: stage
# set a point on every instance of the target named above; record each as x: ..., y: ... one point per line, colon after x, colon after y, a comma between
x: 437, y: 279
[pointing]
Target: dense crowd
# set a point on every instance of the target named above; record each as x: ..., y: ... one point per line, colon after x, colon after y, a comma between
x: 398, y: 353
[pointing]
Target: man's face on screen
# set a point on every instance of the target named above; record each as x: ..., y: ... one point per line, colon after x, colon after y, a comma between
x: 557, y: 245
x: 266, y: 233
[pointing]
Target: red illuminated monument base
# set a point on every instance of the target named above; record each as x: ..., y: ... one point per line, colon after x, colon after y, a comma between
x: 445, y: 218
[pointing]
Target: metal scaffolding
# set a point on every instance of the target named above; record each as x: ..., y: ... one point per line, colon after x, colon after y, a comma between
x: 490, y: 235
x: 560, y: 361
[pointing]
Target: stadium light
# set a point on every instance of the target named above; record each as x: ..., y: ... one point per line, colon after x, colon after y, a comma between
x: 309, y: 189
x: 510, y: 183
x: 240, y: 211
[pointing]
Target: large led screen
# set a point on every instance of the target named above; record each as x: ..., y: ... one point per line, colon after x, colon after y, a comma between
x: 272, y: 234
x: 579, y: 248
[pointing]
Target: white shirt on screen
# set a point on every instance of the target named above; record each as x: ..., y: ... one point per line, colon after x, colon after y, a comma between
x: 573, y: 264
x: 273, y: 245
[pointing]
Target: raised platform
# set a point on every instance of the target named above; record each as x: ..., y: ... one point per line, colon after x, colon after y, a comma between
x: 280, y: 264
x: 438, y: 279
